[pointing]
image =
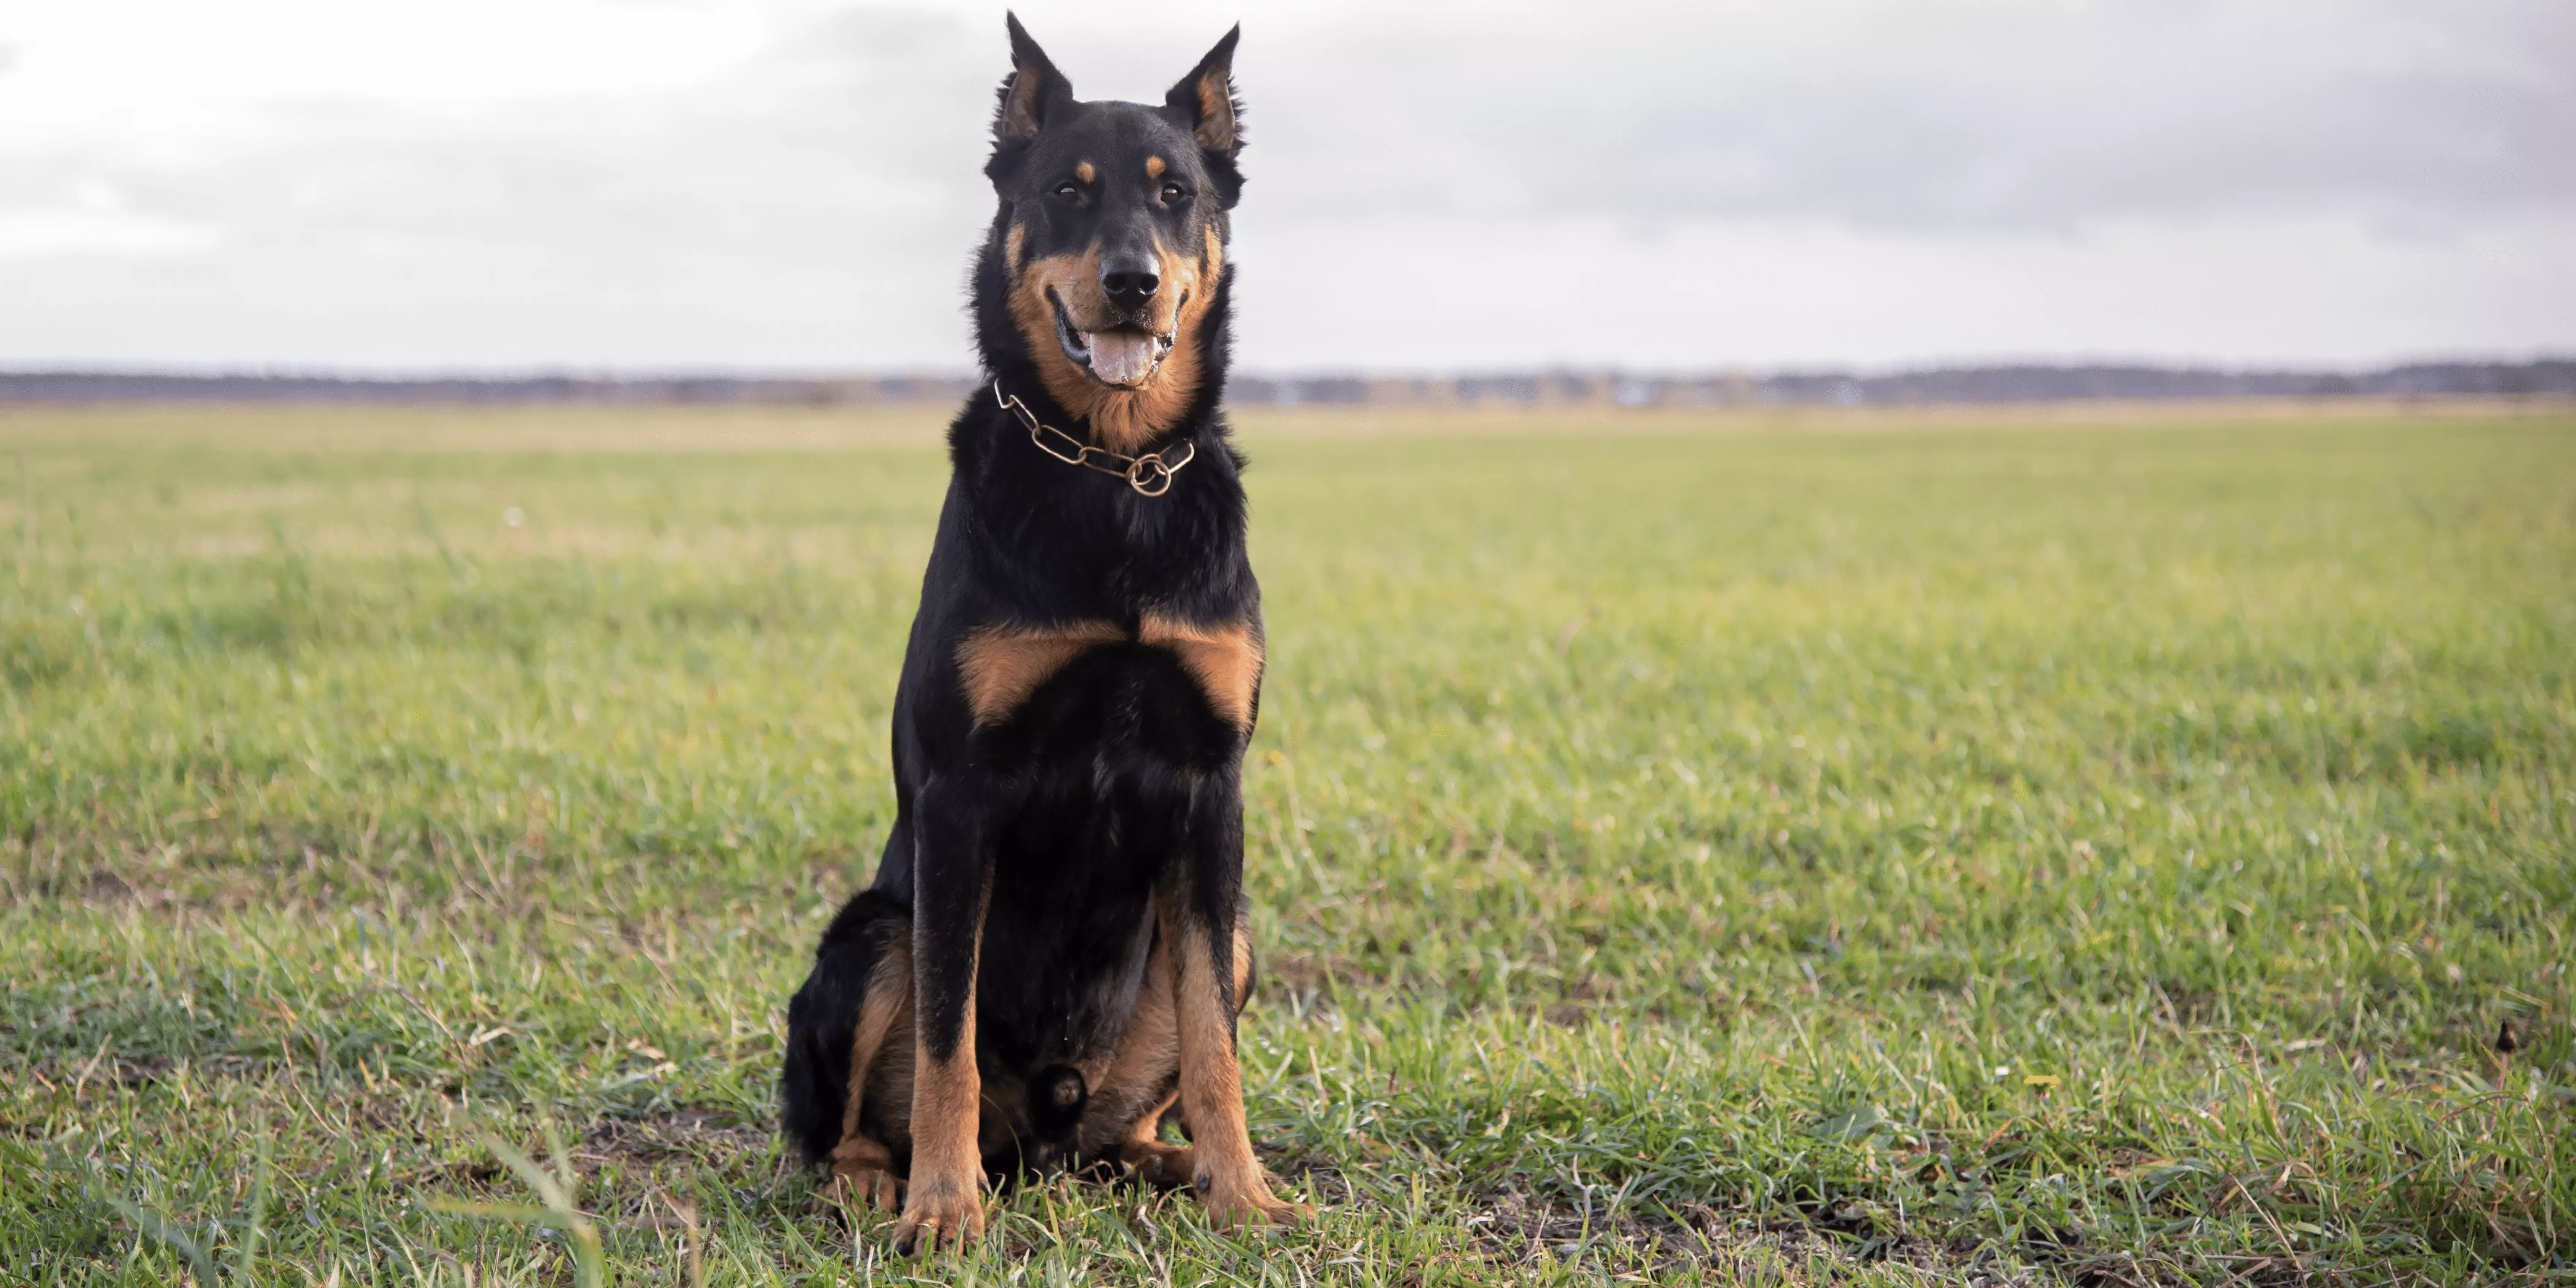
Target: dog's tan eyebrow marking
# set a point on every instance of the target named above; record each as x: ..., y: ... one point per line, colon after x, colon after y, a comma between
x: 1082, y: 170
x: 1153, y: 167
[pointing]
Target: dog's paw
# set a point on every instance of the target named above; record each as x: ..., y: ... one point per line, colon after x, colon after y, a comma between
x: 1251, y: 1207
x: 939, y: 1217
x: 1159, y: 1165
x: 863, y: 1187
x: 862, y: 1175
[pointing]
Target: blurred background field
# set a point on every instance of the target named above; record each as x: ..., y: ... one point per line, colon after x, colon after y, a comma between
x: 2101, y: 847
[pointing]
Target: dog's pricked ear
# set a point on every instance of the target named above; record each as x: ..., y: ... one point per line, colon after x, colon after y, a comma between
x: 1204, y: 101
x: 1035, y: 91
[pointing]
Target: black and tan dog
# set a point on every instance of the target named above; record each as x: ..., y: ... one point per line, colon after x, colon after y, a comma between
x: 1052, y: 952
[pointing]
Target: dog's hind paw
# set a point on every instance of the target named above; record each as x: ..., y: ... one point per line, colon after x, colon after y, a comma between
x: 865, y: 1187
x: 862, y: 1175
x: 1157, y: 1164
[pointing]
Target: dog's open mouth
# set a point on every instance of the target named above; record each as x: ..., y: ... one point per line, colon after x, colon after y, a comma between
x: 1124, y: 355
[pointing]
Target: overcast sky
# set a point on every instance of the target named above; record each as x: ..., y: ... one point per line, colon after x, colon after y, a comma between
x: 651, y: 184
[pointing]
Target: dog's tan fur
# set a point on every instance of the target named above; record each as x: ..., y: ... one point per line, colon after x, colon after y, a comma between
x: 1131, y: 1086
x: 1000, y: 667
x: 1230, y: 1180
x: 1225, y: 660
x: 862, y: 1167
x: 1120, y: 418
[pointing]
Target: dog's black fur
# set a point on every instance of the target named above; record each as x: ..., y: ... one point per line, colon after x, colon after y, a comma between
x: 1063, y: 832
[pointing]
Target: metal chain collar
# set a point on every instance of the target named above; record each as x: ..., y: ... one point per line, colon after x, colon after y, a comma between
x: 1149, y: 474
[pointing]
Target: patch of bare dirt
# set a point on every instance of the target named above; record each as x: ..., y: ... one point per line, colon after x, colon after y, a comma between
x: 716, y: 1138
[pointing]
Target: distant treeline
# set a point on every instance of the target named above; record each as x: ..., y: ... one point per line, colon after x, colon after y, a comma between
x: 2033, y: 383
x: 1939, y: 385
x: 137, y: 386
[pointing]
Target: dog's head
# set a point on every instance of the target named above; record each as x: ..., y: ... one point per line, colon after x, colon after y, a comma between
x: 1113, y: 231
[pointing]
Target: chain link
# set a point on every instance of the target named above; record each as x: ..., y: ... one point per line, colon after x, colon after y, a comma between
x: 1149, y: 474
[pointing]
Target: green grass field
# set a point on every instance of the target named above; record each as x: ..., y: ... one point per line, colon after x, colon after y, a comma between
x: 1869, y: 850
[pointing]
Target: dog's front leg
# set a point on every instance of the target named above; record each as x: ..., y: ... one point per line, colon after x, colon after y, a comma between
x: 1208, y: 962
x: 944, y: 1201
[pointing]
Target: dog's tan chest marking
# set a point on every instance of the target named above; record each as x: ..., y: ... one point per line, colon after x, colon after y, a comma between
x: 1225, y: 660
x: 1000, y: 666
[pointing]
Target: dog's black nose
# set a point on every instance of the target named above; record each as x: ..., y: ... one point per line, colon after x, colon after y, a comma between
x: 1129, y: 280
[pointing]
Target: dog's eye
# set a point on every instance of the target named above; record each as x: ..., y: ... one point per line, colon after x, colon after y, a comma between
x: 1172, y: 192
x: 1068, y: 193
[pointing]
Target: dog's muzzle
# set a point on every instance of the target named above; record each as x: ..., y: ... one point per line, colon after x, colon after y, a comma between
x: 1125, y: 356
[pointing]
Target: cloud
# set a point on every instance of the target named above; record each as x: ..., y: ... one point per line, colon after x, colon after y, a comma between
x: 1951, y: 116
x: 96, y: 222
x: 797, y: 183
x: 795, y: 208
x: 2310, y: 289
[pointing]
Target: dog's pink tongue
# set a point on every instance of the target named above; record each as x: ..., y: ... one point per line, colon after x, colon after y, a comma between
x: 1120, y: 357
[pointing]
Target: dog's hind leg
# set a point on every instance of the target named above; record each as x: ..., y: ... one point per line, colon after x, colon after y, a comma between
x: 1131, y: 1090
x: 824, y: 1018
x: 862, y: 1166
x: 1153, y: 1160
x: 1142, y: 1080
